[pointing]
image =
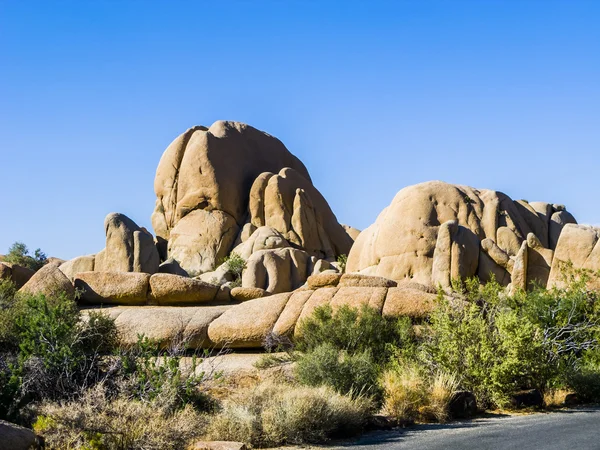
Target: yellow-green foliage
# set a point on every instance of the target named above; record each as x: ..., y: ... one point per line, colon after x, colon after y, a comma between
x: 271, y: 414
x: 96, y: 421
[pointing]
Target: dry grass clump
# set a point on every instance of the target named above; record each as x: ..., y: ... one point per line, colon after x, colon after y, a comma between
x: 96, y: 421
x: 271, y: 414
x: 410, y: 397
x: 555, y: 398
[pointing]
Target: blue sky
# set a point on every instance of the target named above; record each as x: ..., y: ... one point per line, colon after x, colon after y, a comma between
x: 372, y: 96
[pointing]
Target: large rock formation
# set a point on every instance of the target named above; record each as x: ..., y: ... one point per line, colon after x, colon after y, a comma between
x: 435, y: 232
x: 232, y: 184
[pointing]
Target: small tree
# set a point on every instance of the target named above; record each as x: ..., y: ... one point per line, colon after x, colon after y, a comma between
x: 18, y: 253
x: 235, y: 266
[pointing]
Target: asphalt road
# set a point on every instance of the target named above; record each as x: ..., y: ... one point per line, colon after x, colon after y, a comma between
x: 559, y: 430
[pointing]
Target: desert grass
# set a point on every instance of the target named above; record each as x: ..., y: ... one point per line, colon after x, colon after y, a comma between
x: 272, y: 413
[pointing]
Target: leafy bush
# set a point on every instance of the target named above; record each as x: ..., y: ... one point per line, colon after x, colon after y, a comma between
x: 18, y: 253
x: 147, y: 370
x: 235, y: 266
x: 497, y: 344
x: 348, y: 373
x: 346, y: 349
x: 352, y: 330
x: 273, y: 414
x: 342, y: 260
x: 54, y: 353
x: 98, y: 421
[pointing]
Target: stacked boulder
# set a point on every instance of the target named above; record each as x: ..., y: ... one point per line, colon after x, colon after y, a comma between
x: 435, y: 232
x: 232, y: 190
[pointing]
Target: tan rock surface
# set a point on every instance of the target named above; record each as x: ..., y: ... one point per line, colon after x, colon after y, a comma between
x: 119, y: 288
x: 276, y: 271
x: 76, y: 265
x: 321, y: 280
x: 287, y: 320
x: 242, y: 294
x: 413, y: 303
x: 213, y: 169
x: 246, y: 325
x: 402, y: 242
x: 356, y: 297
x: 168, y: 289
x: 168, y: 324
x: 49, y: 281
x: 129, y: 248
x: 202, y: 239
x: 359, y: 280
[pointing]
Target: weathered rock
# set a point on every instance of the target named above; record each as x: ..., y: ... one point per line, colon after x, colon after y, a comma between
x: 17, y: 274
x: 295, y: 208
x: 172, y: 266
x: 440, y: 225
x: 519, y: 273
x: 351, y: 231
x: 213, y: 169
x: 359, y: 280
x: 409, y: 302
x: 327, y: 279
x: 320, y: 297
x: 558, y: 221
x: 289, y: 317
x: 246, y: 325
x: 539, y: 261
x: 49, y: 281
x: 167, y: 289
x: 169, y: 325
x: 577, y: 248
x: 5, y: 271
x: 276, y: 271
x: 15, y: 437
x: 463, y: 405
x: 202, y: 239
x: 263, y: 238
x: 357, y: 297
x: 243, y: 294
x: 129, y: 248
x: 76, y: 265
x: 119, y: 288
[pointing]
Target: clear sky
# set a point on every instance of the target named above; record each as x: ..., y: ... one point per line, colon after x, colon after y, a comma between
x: 371, y: 96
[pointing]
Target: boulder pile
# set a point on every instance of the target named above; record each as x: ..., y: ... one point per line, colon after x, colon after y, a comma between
x: 245, y: 245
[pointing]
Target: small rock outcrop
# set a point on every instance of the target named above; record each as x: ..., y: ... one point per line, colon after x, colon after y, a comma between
x: 129, y: 248
x: 49, y: 281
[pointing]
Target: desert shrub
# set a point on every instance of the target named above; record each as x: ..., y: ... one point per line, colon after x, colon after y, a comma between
x: 493, y: 353
x: 99, y: 421
x: 51, y: 352
x: 18, y: 253
x: 350, y: 329
x: 348, y: 373
x: 235, y: 266
x: 147, y: 370
x: 276, y: 414
x: 347, y: 349
x: 8, y: 333
x: 404, y: 392
x: 497, y: 344
x: 342, y: 260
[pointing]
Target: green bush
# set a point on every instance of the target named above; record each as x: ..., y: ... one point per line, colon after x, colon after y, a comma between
x: 351, y: 330
x: 148, y: 371
x: 348, y: 348
x: 348, y: 373
x: 50, y: 352
x: 497, y: 344
x: 18, y: 253
x: 235, y: 266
